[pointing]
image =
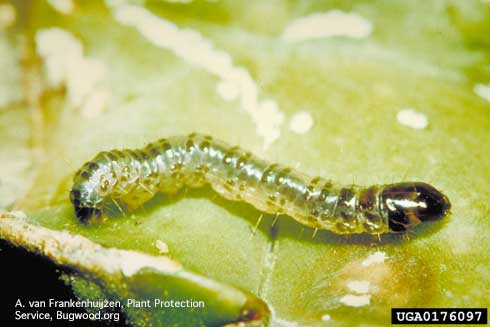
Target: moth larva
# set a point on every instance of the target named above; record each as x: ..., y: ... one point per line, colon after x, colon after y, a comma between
x: 134, y: 176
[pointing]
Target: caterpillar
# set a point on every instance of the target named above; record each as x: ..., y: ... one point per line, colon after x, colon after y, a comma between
x: 132, y: 177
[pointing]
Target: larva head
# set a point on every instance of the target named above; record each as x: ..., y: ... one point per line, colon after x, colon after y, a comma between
x: 409, y: 204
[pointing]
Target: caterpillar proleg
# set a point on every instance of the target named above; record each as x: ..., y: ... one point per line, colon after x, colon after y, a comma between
x: 133, y: 177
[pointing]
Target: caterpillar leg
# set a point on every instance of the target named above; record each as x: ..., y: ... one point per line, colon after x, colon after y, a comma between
x: 407, y: 235
x: 134, y: 200
x: 118, y: 206
x: 254, y: 230
x: 274, y: 221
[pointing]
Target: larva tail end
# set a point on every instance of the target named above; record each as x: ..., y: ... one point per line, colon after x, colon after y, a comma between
x: 409, y: 204
x: 85, y: 214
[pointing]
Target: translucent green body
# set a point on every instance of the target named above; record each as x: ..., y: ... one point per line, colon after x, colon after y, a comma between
x: 134, y: 176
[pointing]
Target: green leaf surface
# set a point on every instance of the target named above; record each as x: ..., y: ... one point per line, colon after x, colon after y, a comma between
x: 423, y: 55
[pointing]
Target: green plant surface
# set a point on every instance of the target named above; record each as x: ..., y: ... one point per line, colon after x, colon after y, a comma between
x: 425, y: 55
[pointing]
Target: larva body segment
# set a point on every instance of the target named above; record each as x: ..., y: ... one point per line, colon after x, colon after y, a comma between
x: 134, y: 176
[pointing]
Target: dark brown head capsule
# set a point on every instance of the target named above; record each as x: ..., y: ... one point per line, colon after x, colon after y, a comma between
x: 409, y: 204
